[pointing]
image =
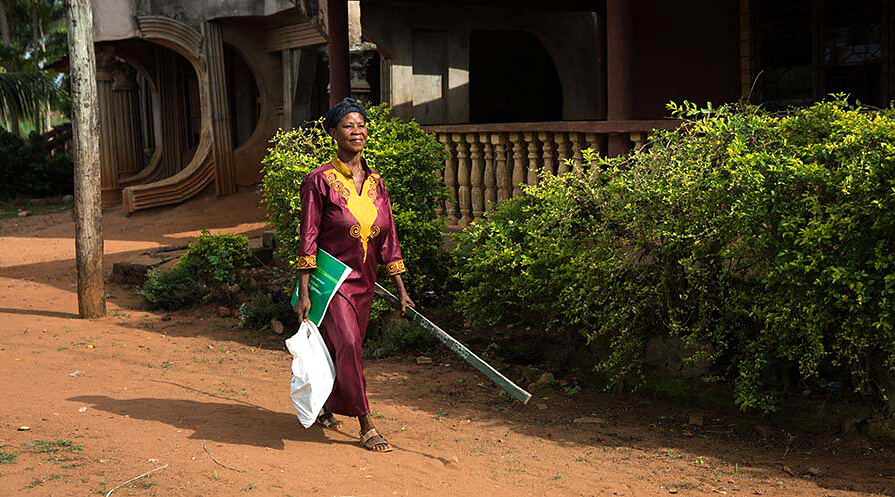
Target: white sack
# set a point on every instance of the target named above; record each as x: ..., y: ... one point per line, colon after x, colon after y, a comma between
x: 313, y: 373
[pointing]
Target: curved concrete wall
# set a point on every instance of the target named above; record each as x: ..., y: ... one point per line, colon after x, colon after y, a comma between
x: 267, y: 69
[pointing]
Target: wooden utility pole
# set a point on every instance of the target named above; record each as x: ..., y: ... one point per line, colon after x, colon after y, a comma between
x: 88, y: 206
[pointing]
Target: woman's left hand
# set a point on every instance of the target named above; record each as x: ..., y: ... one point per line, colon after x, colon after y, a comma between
x: 405, y: 302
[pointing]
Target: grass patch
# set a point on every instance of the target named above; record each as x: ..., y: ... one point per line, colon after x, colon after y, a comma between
x: 53, y: 446
x: 8, y: 210
x: 7, y: 457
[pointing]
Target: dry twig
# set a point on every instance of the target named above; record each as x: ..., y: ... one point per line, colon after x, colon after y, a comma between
x: 136, y: 478
x: 219, y: 463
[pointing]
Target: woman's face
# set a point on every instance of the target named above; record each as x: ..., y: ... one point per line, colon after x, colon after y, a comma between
x: 351, y: 132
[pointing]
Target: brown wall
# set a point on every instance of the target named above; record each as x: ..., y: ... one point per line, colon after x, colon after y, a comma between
x: 684, y: 50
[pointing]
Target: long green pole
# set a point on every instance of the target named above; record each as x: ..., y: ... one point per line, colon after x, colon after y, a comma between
x: 467, y: 355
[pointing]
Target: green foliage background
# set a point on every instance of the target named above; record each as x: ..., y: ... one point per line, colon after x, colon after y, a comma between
x: 408, y: 160
x: 766, y: 242
x: 26, y: 169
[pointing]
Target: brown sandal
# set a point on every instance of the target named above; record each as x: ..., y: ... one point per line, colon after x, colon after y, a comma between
x: 328, y: 420
x: 367, y: 437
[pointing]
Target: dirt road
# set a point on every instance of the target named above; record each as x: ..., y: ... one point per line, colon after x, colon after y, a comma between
x: 108, y: 400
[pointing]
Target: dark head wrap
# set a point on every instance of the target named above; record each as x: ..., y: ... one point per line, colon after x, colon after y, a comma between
x: 340, y: 110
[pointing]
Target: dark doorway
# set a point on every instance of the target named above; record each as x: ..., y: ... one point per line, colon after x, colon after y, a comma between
x: 512, y: 78
x: 245, y: 104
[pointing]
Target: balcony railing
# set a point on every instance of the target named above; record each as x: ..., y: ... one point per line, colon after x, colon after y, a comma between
x: 488, y: 163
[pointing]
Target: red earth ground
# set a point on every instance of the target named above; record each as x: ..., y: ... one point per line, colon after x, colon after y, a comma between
x: 109, y: 399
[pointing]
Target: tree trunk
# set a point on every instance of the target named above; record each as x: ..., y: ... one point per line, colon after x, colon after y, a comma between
x: 4, y: 25
x: 37, y: 55
x: 85, y: 124
x: 42, y: 40
x: 7, y: 41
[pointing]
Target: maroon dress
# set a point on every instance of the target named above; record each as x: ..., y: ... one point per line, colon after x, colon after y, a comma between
x: 359, y: 230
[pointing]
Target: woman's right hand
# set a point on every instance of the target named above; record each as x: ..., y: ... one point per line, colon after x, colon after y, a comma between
x: 303, y: 307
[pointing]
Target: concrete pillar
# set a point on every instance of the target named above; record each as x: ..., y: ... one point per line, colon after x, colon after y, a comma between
x: 108, y: 160
x: 221, y: 126
x: 620, y: 73
x: 173, y: 103
x: 339, y: 63
x: 127, y: 132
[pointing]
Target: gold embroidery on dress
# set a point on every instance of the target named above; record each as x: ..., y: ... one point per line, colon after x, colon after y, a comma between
x: 307, y: 261
x: 396, y: 267
x: 362, y: 207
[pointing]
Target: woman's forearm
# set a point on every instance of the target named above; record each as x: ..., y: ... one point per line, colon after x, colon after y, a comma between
x: 399, y: 284
x: 304, y: 277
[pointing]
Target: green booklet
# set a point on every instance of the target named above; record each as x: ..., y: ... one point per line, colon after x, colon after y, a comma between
x: 324, y: 282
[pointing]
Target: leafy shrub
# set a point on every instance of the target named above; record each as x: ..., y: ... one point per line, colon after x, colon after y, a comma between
x: 402, y: 152
x: 205, y: 272
x: 216, y: 258
x: 170, y: 290
x: 257, y: 312
x: 398, y: 336
x: 26, y: 169
x: 763, y: 241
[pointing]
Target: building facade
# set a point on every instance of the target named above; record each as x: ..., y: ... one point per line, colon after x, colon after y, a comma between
x: 191, y: 92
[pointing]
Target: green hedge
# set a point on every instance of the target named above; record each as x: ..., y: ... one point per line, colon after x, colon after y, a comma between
x: 766, y: 242
x: 27, y: 169
x: 408, y: 160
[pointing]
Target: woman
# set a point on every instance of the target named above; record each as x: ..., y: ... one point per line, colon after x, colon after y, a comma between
x: 345, y: 210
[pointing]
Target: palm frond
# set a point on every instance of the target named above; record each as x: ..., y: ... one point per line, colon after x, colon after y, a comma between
x: 22, y: 92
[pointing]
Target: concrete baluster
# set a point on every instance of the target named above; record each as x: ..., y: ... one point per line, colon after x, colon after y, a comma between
x: 490, y: 171
x: 439, y: 209
x: 578, y: 159
x: 639, y: 140
x: 463, y: 192
x: 504, y: 169
x: 450, y: 180
x: 562, y: 152
x: 518, y: 166
x: 594, y: 142
x: 475, y: 175
x: 534, y: 158
x: 549, y: 157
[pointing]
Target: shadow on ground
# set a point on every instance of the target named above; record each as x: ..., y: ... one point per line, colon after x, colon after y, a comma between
x: 453, y: 394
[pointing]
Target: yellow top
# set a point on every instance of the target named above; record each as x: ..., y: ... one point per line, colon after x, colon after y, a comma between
x: 362, y: 206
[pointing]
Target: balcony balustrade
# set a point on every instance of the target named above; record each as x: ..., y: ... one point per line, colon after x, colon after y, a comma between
x: 487, y: 163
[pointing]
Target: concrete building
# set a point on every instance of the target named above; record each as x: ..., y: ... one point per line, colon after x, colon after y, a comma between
x: 192, y: 91
x: 516, y: 88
